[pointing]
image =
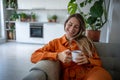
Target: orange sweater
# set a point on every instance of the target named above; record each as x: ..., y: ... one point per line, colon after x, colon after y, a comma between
x: 71, y: 71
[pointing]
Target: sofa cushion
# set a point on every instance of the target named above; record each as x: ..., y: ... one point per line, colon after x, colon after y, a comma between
x: 110, y: 56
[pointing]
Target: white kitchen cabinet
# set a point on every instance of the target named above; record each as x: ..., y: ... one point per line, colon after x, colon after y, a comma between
x: 31, y: 4
x: 52, y: 31
x: 22, y: 31
x: 56, y: 4
x: 42, y: 4
x: 23, y: 34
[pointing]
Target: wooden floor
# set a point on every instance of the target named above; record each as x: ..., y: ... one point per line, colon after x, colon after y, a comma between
x: 15, y: 60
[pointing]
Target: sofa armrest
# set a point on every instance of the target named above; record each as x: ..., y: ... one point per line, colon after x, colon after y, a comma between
x: 51, y: 68
x: 35, y: 75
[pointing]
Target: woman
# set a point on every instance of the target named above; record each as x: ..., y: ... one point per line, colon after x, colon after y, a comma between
x: 87, y: 66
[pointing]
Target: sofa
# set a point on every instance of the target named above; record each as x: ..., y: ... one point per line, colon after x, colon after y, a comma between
x: 50, y: 70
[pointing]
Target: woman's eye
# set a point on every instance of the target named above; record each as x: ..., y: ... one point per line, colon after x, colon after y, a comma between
x: 76, y: 27
x: 69, y: 24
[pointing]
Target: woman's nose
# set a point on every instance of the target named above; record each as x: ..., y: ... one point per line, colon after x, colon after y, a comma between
x: 72, y: 28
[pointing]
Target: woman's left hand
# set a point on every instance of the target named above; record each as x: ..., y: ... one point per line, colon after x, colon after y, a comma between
x: 82, y: 59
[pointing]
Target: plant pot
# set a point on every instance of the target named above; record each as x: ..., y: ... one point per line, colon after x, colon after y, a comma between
x: 49, y: 20
x: 33, y: 20
x: 93, y: 35
x: 10, y: 35
x: 22, y: 19
x: 53, y: 20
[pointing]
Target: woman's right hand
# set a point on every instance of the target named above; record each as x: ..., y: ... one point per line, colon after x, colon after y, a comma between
x: 65, y: 56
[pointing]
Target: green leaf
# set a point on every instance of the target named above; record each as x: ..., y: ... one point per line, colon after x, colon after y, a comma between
x: 72, y: 8
x: 71, y: 1
x: 98, y: 24
x: 96, y: 10
x: 82, y: 4
x: 89, y: 1
x: 91, y: 20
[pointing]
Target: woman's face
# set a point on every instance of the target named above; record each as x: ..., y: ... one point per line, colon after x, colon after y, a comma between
x: 72, y: 27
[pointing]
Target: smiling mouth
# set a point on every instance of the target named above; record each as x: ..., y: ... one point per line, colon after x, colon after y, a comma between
x: 72, y: 33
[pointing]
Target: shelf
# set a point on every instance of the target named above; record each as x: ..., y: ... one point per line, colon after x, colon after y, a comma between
x: 37, y: 9
x: 10, y: 21
x: 30, y: 9
x: 10, y: 9
x: 11, y: 40
x: 8, y: 29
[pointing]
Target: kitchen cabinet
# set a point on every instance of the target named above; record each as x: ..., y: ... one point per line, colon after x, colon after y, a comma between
x: 31, y: 4
x: 56, y: 4
x: 23, y: 34
x: 22, y: 31
x: 42, y: 4
x: 52, y: 31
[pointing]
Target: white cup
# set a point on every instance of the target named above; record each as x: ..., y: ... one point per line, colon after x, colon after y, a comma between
x: 75, y: 54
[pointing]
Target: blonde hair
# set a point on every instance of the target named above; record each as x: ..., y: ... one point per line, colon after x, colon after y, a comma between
x: 85, y: 45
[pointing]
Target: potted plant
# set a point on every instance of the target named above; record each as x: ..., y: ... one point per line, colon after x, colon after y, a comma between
x: 11, y: 31
x: 54, y: 18
x: 33, y: 17
x: 23, y: 16
x: 14, y: 16
x: 49, y: 19
x: 11, y: 4
x: 95, y: 18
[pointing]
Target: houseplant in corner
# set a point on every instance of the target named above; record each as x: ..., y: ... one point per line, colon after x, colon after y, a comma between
x: 95, y: 18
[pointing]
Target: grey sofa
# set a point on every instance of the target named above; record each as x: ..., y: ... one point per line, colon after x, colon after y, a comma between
x: 49, y: 70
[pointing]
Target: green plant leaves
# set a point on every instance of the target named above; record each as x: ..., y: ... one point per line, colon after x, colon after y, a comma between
x: 91, y: 20
x: 96, y: 10
x: 84, y: 3
x: 14, y: 16
x: 96, y: 16
x: 71, y: 1
x: 72, y: 7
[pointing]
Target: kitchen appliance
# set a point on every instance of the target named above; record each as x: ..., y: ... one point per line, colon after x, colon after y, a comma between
x: 36, y: 30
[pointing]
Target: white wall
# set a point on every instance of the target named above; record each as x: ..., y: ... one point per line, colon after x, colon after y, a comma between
x: 115, y: 28
x: 2, y: 30
x: 0, y: 18
x: 111, y: 31
x: 106, y: 28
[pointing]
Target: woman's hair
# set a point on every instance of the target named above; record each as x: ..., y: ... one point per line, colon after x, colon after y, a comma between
x: 84, y: 43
